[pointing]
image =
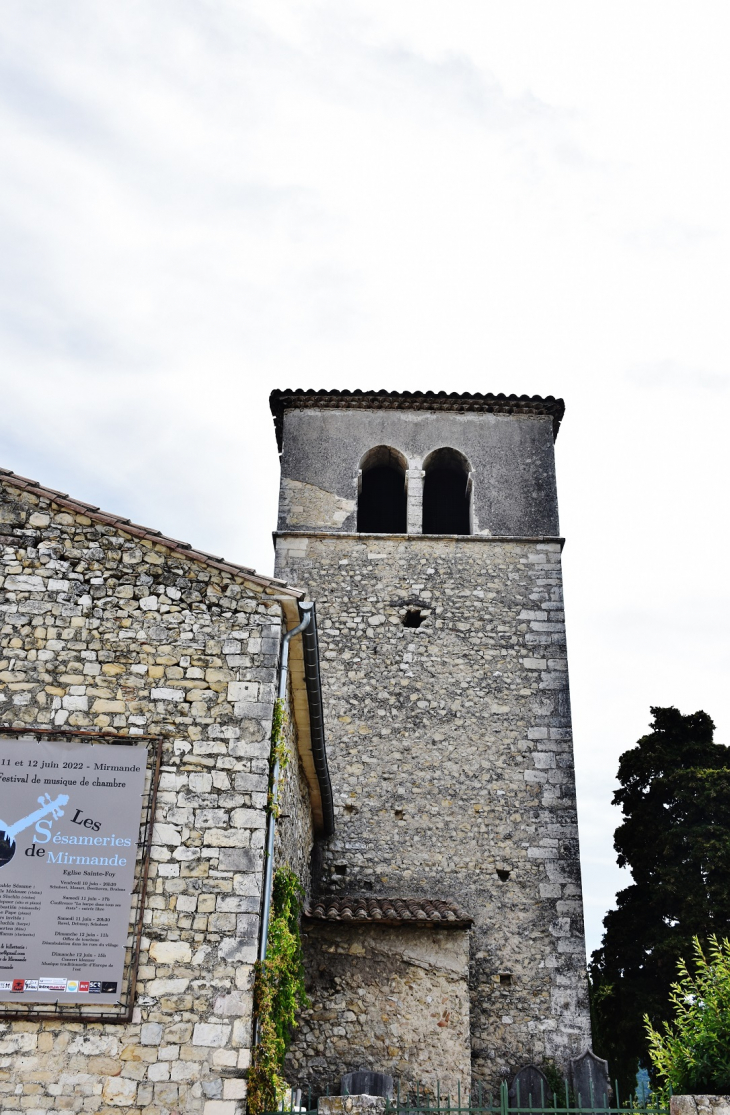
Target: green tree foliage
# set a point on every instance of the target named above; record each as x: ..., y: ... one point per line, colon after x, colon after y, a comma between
x: 278, y: 994
x: 693, y: 1054
x: 675, y: 838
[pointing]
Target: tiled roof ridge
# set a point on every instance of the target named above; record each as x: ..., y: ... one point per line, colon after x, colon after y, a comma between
x: 388, y: 911
x: 62, y: 499
x: 463, y: 402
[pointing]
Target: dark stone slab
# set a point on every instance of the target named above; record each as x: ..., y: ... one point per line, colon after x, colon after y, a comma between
x: 366, y: 1084
x: 590, y: 1080
x: 530, y: 1088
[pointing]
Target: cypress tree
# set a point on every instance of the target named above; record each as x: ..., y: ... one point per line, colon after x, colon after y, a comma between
x: 675, y: 838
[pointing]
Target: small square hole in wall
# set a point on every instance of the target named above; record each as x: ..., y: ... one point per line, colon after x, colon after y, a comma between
x: 505, y: 979
x: 340, y: 869
x: 503, y: 875
x: 413, y: 618
x: 399, y: 814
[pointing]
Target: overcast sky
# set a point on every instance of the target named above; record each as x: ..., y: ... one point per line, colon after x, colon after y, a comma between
x: 204, y: 199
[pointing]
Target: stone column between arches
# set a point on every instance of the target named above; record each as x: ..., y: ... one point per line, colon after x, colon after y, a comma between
x: 414, y: 505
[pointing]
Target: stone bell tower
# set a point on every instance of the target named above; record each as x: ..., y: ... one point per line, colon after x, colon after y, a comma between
x: 425, y: 527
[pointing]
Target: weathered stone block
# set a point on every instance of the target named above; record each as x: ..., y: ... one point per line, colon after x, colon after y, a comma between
x: 210, y: 1034
x: 171, y: 952
x: 239, y: 859
x: 351, y: 1105
x: 166, y: 834
x: 234, y: 1089
x: 221, y: 1107
x: 167, y: 986
x: 164, y: 694
x: 238, y: 949
x: 243, y: 691
x: 119, y: 1091
x: 151, y: 1033
x: 237, y: 1004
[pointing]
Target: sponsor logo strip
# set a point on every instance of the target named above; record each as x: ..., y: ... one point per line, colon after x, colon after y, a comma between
x: 51, y: 983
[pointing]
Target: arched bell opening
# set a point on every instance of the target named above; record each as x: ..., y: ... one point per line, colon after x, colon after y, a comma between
x: 381, y: 503
x: 447, y: 493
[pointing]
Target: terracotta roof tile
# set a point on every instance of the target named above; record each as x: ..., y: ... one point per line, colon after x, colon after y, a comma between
x: 389, y: 911
x: 475, y: 402
x: 61, y: 499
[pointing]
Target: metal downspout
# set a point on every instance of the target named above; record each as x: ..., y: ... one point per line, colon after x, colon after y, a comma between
x: 310, y: 649
x: 271, y: 821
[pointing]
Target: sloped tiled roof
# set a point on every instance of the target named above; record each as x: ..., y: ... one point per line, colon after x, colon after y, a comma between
x: 389, y: 911
x: 61, y: 499
x: 461, y: 402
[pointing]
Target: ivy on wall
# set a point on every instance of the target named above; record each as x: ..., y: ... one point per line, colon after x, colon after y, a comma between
x: 279, y: 755
x: 277, y: 995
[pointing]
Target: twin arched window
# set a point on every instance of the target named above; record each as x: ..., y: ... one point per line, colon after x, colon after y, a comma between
x: 382, y: 506
x: 446, y: 492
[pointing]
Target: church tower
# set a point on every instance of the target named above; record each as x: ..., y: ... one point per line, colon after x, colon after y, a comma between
x: 425, y: 527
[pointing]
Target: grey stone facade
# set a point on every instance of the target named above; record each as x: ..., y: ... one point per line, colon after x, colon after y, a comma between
x: 106, y: 627
x: 450, y: 743
x: 511, y: 458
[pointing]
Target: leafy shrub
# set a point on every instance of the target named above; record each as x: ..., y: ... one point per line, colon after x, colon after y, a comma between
x: 692, y: 1055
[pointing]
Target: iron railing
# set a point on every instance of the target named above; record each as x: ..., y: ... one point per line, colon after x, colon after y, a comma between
x: 427, y: 1101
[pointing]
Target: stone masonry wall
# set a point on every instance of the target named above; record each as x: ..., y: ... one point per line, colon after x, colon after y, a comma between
x: 699, y: 1105
x: 387, y: 997
x: 102, y: 631
x: 451, y: 761
x: 294, y: 829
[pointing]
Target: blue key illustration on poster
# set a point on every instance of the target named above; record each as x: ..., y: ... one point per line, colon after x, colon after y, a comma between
x: 9, y: 832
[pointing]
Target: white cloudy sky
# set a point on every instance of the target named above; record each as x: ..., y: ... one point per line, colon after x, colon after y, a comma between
x: 203, y: 199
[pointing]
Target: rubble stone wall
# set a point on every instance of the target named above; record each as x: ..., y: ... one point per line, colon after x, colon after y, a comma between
x: 451, y: 760
x: 699, y: 1105
x: 294, y: 828
x: 387, y: 997
x: 100, y: 630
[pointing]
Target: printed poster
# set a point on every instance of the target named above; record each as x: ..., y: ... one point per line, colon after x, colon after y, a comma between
x: 69, y: 825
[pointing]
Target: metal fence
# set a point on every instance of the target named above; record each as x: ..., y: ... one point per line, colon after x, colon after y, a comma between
x: 427, y: 1101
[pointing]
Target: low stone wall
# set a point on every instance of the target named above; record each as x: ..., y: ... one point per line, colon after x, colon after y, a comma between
x: 385, y: 997
x: 699, y: 1105
x: 351, y: 1105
